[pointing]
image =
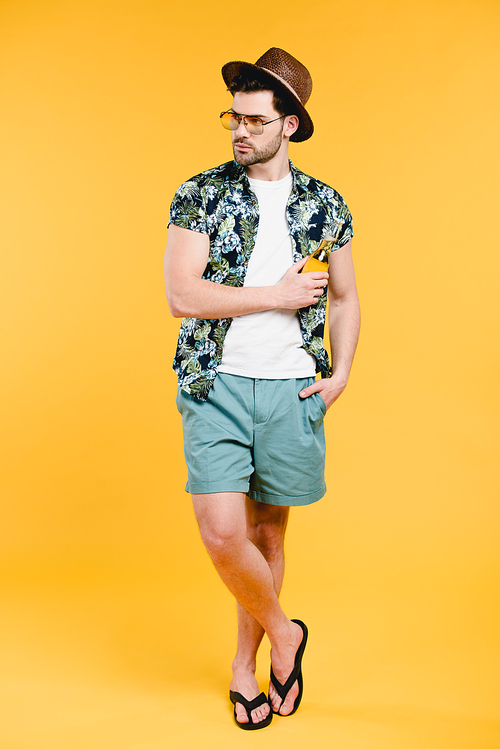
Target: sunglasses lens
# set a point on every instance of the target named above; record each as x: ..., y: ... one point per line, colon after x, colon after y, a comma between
x: 254, y: 126
x: 228, y: 121
x: 232, y: 122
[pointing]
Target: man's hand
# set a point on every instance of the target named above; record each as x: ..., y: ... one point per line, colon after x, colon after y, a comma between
x: 330, y: 388
x: 296, y: 290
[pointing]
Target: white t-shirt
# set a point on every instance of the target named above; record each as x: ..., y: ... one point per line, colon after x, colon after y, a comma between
x: 268, y: 345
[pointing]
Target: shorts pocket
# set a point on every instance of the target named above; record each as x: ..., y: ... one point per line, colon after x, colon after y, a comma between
x: 181, y: 401
x: 322, y: 403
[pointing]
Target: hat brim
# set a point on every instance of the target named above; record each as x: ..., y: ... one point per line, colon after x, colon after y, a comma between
x: 306, y: 128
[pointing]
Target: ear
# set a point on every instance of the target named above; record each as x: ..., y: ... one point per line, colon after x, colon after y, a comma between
x: 291, y: 125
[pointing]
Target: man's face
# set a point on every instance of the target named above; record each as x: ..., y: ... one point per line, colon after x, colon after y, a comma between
x: 256, y: 149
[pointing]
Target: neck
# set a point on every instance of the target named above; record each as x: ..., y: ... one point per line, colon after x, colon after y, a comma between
x: 271, y: 171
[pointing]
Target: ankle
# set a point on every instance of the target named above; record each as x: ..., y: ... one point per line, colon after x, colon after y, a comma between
x: 287, y: 641
x: 282, y: 636
x: 244, y: 665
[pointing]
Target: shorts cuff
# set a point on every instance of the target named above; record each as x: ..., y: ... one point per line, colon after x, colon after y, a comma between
x: 279, y: 499
x: 216, y: 487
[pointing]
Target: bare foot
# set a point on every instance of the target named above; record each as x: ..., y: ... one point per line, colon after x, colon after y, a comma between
x: 245, y: 683
x: 283, y: 661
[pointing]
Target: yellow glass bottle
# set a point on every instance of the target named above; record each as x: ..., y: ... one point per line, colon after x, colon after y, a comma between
x: 318, y: 260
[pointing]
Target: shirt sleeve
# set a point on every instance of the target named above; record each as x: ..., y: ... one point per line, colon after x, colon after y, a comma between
x: 187, y: 209
x: 346, y: 233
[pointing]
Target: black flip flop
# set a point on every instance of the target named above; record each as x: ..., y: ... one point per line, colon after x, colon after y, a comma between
x: 296, y: 675
x: 250, y: 705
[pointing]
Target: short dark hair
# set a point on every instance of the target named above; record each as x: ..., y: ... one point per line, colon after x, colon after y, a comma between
x: 257, y: 81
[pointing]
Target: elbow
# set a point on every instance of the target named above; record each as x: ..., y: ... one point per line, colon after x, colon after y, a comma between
x: 174, y: 302
x: 176, y: 312
x: 176, y: 307
x: 181, y: 305
x: 180, y: 297
x: 183, y: 297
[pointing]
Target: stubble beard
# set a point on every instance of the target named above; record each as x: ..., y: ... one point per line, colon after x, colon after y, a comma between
x: 259, y: 155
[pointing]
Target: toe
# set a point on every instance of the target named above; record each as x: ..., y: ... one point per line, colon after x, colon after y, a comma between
x: 274, y: 698
x: 241, y: 713
x: 260, y: 713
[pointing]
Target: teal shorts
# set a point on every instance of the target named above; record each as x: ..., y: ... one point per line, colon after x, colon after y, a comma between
x: 257, y: 437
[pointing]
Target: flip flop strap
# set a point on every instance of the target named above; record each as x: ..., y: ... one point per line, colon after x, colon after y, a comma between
x: 249, y: 705
x: 283, y: 689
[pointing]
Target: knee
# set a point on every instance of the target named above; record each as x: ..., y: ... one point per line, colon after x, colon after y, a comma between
x: 269, y: 538
x: 219, y: 540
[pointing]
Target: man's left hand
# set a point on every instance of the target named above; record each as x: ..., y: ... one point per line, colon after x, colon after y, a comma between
x: 330, y: 388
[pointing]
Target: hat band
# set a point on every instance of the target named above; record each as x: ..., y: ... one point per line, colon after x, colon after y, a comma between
x: 284, y: 83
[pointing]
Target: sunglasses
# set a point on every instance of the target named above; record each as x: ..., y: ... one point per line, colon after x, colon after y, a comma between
x: 255, y: 125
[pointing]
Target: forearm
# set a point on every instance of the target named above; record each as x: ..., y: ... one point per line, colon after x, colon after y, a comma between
x: 343, y: 324
x: 201, y: 298
x: 189, y: 295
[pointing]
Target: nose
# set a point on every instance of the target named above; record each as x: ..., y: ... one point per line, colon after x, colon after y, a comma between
x: 241, y: 130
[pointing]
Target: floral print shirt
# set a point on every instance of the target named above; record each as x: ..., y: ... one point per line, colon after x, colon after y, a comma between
x: 220, y: 203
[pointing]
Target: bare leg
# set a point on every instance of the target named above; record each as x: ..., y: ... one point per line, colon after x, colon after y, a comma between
x: 266, y: 526
x: 222, y: 519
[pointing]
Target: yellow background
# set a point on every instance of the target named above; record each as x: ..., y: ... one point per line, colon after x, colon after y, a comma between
x: 115, y: 630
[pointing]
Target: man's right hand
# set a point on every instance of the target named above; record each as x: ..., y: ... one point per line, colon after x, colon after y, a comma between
x: 296, y: 289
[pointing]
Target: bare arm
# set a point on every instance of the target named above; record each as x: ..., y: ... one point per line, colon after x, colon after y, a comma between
x: 189, y: 295
x: 343, y: 325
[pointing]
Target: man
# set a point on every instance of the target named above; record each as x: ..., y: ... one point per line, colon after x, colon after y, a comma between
x: 250, y: 345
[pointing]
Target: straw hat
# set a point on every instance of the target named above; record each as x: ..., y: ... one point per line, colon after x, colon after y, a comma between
x: 293, y: 78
